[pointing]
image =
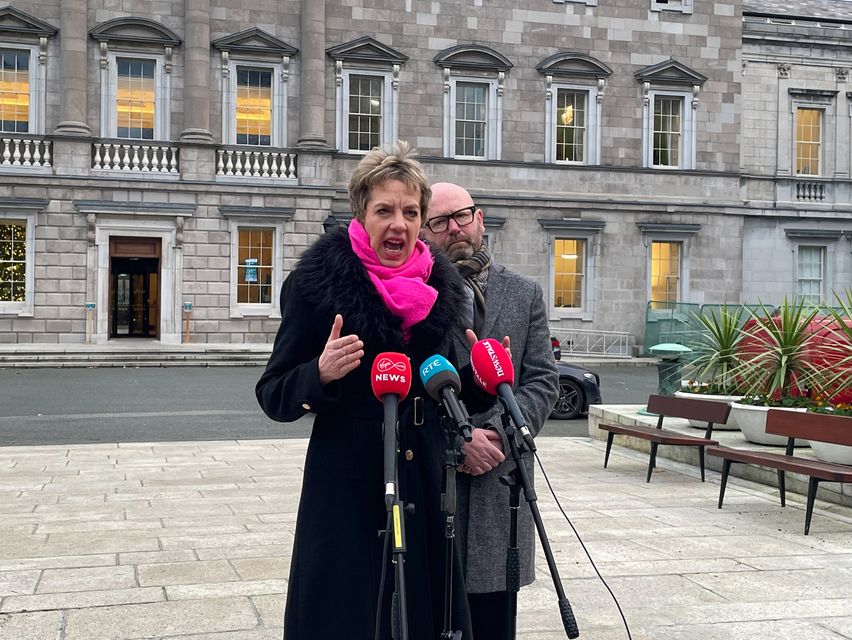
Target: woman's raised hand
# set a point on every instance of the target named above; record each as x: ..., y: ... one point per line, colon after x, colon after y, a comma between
x: 340, y: 355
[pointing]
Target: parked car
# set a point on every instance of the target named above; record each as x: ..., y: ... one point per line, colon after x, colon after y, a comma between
x: 578, y: 387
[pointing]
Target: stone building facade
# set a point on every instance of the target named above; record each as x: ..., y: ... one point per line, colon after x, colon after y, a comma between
x: 164, y: 160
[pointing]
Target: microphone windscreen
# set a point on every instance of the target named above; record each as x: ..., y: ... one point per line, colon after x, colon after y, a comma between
x: 491, y: 365
x: 391, y: 373
x: 435, y: 373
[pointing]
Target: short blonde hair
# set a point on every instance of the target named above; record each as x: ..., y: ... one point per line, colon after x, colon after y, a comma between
x: 387, y: 163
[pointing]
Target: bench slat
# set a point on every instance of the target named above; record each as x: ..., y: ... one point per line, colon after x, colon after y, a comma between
x: 810, y: 426
x: 705, y: 410
x: 662, y: 436
x: 804, y: 466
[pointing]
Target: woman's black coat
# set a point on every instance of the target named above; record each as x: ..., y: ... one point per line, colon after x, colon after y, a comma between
x: 337, y: 553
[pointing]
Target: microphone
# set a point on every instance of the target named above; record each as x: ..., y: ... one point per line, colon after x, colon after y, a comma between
x: 442, y: 383
x: 494, y: 372
x: 390, y: 378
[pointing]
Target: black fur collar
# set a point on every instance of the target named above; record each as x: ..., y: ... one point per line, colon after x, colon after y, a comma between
x: 333, y: 280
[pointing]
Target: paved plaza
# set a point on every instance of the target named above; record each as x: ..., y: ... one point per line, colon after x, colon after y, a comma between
x: 192, y: 540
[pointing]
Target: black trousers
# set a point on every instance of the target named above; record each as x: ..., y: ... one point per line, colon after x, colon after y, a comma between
x: 488, y: 613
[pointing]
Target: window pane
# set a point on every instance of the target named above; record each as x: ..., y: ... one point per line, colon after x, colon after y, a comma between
x: 13, y: 261
x: 666, y: 134
x: 570, y: 125
x: 808, y: 141
x: 810, y: 273
x: 665, y: 272
x: 569, y: 259
x: 254, y: 106
x: 135, y: 99
x: 254, y: 266
x: 365, y: 112
x: 471, y: 119
x: 14, y: 91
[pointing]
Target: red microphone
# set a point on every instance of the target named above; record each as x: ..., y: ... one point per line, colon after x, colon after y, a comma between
x: 391, y: 375
x: 494, y: 372
x: 390, y: 378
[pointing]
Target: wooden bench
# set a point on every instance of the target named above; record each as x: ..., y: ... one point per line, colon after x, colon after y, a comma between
x: 794, y: 424
x: 708, y: 411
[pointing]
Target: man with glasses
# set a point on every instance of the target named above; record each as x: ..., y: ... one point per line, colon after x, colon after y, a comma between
x: 510, y: 307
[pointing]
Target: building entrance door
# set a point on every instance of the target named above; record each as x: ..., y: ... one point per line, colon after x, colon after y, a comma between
x: 134, y: 287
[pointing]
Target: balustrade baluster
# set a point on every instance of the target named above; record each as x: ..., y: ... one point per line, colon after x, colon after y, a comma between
x: 264, y: 169
x: 27, y: 154
x: 238, y: 163
x: 145, y: 161
x: 220, y: 163
x: 7, y: 144
x: 229, y: 165
x: 37, y: 153
x: 45, y: 160
x: 16, y: 152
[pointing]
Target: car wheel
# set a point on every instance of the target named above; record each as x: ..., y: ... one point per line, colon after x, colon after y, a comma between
x: 570, y: 401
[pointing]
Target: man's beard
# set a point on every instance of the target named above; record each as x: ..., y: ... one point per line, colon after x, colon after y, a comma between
x: 461, y: 249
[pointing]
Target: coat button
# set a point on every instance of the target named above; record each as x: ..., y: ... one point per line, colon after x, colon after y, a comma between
x: 409, y: 455
x: 306, y: 406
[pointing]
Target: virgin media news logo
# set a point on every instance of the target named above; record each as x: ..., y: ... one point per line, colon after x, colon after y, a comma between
x: 386, y: 364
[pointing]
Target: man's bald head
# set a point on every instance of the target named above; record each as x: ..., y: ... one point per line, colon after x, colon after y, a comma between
x: 459, y: 242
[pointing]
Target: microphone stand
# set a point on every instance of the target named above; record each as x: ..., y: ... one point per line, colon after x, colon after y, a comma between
x: 395, y: 508
x: 453, y: 456
x: 517, y: 479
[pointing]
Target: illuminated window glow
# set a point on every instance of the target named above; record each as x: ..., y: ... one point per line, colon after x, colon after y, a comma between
x: 135, y: 99
x: 569, y: 259
x: 13, y: 260
x: 14, y: 91
x: 665, y: 273
x: 808, y: 141
x: 254, y: 106
x: 254, y: 269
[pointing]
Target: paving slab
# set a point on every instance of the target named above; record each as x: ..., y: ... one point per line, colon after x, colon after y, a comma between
x: 193, y: 540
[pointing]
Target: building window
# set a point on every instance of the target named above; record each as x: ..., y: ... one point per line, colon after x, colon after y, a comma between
x: 667, y: 131
x: 135, y: 103
x: 808, y: 141
x: 135, y: 98
x: 571, y: 122
x: 13, y: 260
x: 15, y: 91
x: 16, y: 263
x: 569, y: 260
x: 366, y: 98
x: 471, y: 119
x: 666, y: 266
x: 254, y: 106
x: 810, y: 273
x: 254, y: 265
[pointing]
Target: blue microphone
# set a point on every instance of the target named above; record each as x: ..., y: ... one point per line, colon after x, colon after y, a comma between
x: 442, y: 383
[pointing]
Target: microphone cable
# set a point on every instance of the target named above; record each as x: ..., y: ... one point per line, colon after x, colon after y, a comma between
x: 583, y: 545
x: 385, y: 554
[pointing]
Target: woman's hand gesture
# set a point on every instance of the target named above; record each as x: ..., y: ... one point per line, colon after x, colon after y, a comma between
x: 340, y: 355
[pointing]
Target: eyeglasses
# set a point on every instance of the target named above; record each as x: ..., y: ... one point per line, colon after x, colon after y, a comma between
x: 462, y: 217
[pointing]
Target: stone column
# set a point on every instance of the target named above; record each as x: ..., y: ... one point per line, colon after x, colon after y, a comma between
x: 73, y: 40
x: 196, y: 101
x: 312, y: 76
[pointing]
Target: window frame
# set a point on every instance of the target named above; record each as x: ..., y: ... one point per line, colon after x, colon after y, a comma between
x: 493, y: 114
x: 37, y: 88
x: 688, y: 127
x: 280, y: 97
x: 25, y: 308
x: 593, y: 129
x: 162, y: 96
x: 797, y: 278
x: 269, y: 309
x: 821, y: 143
x: 570, y: 312
x: 390, y: 106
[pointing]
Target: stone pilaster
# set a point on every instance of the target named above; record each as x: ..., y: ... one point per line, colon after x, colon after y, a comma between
x: 73, y: 40
x: 312, y: 76
x: 196, y: 115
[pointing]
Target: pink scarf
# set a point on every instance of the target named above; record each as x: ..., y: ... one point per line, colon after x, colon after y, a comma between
x: 403, y: 289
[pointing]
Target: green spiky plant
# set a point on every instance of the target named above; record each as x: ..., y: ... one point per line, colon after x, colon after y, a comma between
x: 839, y: 346
x: 717, y: 358
x: 778, y: 352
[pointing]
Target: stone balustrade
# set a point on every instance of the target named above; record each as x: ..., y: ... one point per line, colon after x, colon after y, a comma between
x: 252, y: 162
x: 25, y: 152
x: 135, y: 157
x: 810, y: 191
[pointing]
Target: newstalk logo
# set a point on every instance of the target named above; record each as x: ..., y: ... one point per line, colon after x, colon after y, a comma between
x: 495, y: 360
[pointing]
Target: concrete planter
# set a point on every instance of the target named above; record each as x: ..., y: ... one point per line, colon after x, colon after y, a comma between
x: 752, y: 421
x: 830, y: 452
x: 730, y: 425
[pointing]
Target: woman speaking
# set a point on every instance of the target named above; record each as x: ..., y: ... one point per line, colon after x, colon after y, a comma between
x: 357, y: 292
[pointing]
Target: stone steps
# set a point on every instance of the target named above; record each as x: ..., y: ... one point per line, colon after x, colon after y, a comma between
x: 69, y: 356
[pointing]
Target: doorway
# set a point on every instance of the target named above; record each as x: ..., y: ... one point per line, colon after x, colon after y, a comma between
x: 134, y: 287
